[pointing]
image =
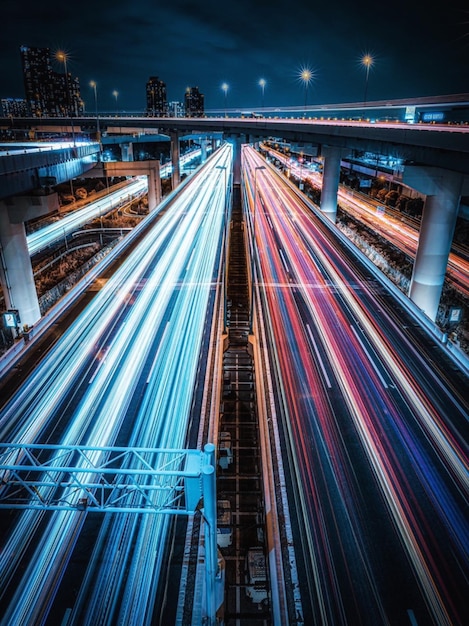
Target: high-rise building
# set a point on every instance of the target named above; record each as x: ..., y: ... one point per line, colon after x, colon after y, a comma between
x: 37, y: 71
x: 14, y: 107
x: 176, y: 109
x: 157, y: 104
x: 194, y: 101
x: 48, y: 93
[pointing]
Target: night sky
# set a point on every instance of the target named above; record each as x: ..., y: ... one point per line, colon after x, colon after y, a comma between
x: 121, y: 43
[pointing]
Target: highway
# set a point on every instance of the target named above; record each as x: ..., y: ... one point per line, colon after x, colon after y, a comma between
x: 123, y: 374
x: 401, y: 231
x: 373, y: 422
x: 72, y: 221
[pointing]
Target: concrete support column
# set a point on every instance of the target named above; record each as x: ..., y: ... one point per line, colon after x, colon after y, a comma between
x: 203, y: 150
x: 154, y: 186
x: 17, y: 275
x: 237, y: 143
x: 127, y: 151
x: 443, y: 189
x: 330, y: 181
x: 176, y: 175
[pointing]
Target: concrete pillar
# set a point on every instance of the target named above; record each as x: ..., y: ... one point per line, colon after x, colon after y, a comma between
x: 330, y: 181
x: 203, y: 149
x: 175, y: 156
x: 150, y: 168
x: 237, y: 143
x: 443, y: 190
x: 17, y: 277
x: 127, y: 151
x: 154, y: 186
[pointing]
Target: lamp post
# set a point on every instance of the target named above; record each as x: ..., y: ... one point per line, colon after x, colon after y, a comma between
x: 367, y: 62
x: 115, y: 93
x: 306, y: 75
x: 251, y: 321
x: 95, y: 89
x: 62, y: 56
x: 225, y: 89
x: 262, y: 84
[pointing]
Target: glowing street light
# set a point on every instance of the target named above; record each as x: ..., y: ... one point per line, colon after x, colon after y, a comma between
x: 225, y: 88
x: 62, y: 57
x: 262, y: 84
x: 367, y: 62
x: 306, y: 76
x: 94, y: 86
x: 115, y: 93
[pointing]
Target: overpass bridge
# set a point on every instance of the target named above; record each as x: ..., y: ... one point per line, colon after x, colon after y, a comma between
x: 435, y: 159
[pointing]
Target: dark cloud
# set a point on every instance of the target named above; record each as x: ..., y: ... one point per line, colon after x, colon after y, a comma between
x: 119, y: 44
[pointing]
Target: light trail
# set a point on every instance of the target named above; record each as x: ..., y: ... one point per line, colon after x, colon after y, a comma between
x: 149, y: 320
x: 46, y: 236
x: 376, y: 462
x: 388, y: 224
x: 70, y: 222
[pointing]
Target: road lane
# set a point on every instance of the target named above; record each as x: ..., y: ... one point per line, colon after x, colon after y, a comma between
x: 136, y: 351
x: 380, y: 471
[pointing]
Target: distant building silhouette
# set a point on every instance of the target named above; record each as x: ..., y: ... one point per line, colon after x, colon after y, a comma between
x: 48, y: 93
x: 157, y: 103
x: 194, y: 101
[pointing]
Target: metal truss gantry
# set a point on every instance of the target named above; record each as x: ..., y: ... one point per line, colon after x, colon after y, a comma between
x: 116, y: 480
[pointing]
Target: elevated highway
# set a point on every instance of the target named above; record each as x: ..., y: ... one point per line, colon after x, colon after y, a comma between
x: 349, y: 126
x: 435, y: 158
x: 35, y: 167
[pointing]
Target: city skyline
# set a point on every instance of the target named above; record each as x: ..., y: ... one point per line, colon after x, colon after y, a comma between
x: 304, y: 55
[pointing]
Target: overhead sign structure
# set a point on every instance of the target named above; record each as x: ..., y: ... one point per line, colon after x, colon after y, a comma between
x: 117, y: 480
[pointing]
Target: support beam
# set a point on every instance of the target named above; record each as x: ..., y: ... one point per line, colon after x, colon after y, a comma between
x: 127, y: 151
x: 237, y: 142
x: 443, y: 190
x: 210, y: 516
x: 154, y: 186
x: 330, y: 181
x: 203, y: 150
x: 151, y: 169
x: 17, y: 277
x: 176, y: 174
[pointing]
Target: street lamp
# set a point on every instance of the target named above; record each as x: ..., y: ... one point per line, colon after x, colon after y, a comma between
x: 367, y: 62
x: 306, y: 76
x: 115, y: 93
x: 62, y: 56
x: 262, y: 84
x: 95, y: 89
x: 251, y: 321
x: 225, y: 89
